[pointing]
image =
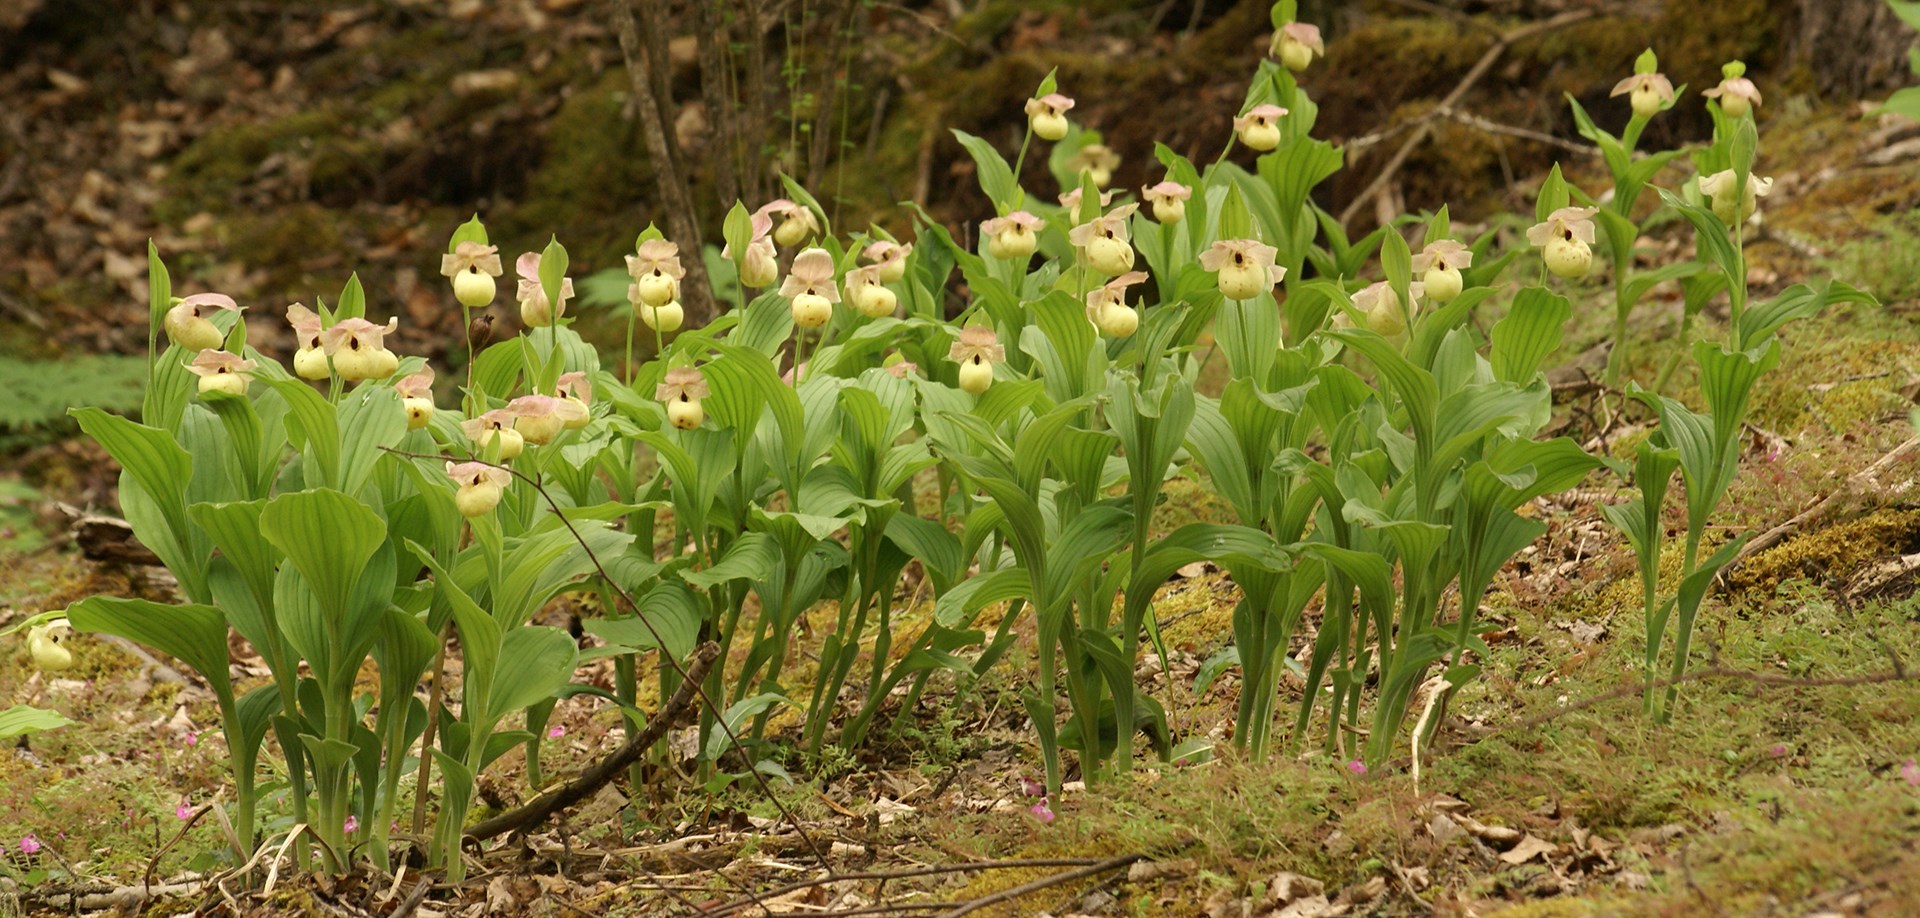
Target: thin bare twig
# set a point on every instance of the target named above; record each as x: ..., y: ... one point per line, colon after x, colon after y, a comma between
x: 720, y: 720
x: 910, y: 872
x: 539, y: 809
x: 1480, y: 68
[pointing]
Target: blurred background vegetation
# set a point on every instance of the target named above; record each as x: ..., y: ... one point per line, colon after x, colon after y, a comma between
x: 271, y: 148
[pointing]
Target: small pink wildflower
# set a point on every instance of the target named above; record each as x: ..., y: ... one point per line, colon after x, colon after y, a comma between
x: 351, y: 826
x: 556, y: 731
x: 184, y: 810
x: 29, y: 844
x: 192, y: 738
x: 1032, y: 788
x: 1777, y: 750
x: 1357, y: 767
x: 1041, y: 810
x: 1911, y: 773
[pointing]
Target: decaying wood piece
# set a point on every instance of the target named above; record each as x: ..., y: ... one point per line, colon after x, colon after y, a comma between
x: 107, y: 538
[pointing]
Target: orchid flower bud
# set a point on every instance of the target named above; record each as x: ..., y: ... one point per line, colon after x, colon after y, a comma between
x: 1013, y: 236
x: 1107, y: 306
x: 187, y: 326
x: 1169, y: 200
x: 535, y: 310
x: 1244, y: 268
x: 309, y: 355
x: 1566, y: 240
x: 497, y: 424
x: 889, y: 257
x: 1385, y: 316
x: 416, y: 398
x: 47, y: 642
x: 1718, y: 189
x: 867, y: 295
x: 540, y: 418
x: 977, y: 350
x: 472, y: 267
x: 1439, y: 265
x: 358, y: 348
x: 1259, y: 128
x: 809, y: 285
x: 1096, y: 160
x: 480, y: 487
x: 1104, y: 241
x: 1649, y: 92
x: 575, y: 388
x: 221, y: 371
x: 681, y: 391
x: 1296, y: 44
x: 1047, y: 115
x: 1736, y: 93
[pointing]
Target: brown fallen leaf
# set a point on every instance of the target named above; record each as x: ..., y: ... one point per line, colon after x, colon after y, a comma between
x: 1529, y: 848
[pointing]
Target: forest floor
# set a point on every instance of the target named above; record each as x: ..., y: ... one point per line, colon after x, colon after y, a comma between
x: 1785, y: 784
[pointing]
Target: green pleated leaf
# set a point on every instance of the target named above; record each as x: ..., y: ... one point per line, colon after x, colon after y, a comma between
x: 330, y: 538
x: 22, y: 720
x: 194, y: 634
x: 956, y: 608
x: 1530, y: 332
x: 671, y: 611
x: 371, y: 419
x: 535, y: 663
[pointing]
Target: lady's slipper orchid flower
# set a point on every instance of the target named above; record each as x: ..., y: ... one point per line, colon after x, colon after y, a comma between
x: 309, y: 355
x: 222, y: 371
x: 1047, y: 115
x: 576, y: 388
x: 1296, y: 44
x: 535, y: 310
x: 1071, y: 201
x: 1169, y: 200
x: 1259, y: 128
x: 1718, y: 189
x: 1014, y: 236
x: 416, y: 397
x: 358, y: 348
x: 867, y: 295
x: 472, y: 267
x: 1244, y: 267
x: 656, y: 273
x: 797, y: 222
x: 47, y: 642
x: 187, y: 324
x: 1439, y: 266
x: 1649, y: 93
x: 681, y: 391
x: 1107, y: 306
x: 1384, y: 313
x: 809, y: 285
x: 1736, y: 93
x: 664, y: 318
x: 540, y: 418
x: 1103, y: 240
x: 479, y: 486
x: 758, y: 267
x: 976, y: 352
x: 1097, y: 161
x: 497, y: 424
x: 890, y: 257
x: 1566, y: 240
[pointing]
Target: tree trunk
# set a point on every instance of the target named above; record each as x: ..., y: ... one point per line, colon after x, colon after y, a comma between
x: 1853, y: 48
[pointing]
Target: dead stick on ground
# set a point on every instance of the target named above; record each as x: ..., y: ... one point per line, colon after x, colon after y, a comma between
x: 605, y: 770
x: 910, y: 872
x: 1043, y: 883
x: 1480, y: 68
x: 1768, y: 680
x: 1779, y: 533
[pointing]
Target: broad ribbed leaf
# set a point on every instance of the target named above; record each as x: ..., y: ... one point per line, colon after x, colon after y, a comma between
x: 22, y: 720
x: 313, y: 429
x: 1530, y: 332
x: 736, y: 717
x: 753, y: 556
x: 956, y: 608
x: 535, y: 662
x: 370, y: 418
x: 937, y: 549
x: 329, y: 537
x: 1414, y: 387
x: 194, y: 634
x: 996, y: 177
x: 669, y: 608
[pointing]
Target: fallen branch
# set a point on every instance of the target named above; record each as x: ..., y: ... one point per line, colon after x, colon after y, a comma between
x: 1057, y: 879
x: 911, y: 872
x: 540, y: 808
x: 1425, y: 129
x: 1854, y: 482
x: 1765, y: 680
